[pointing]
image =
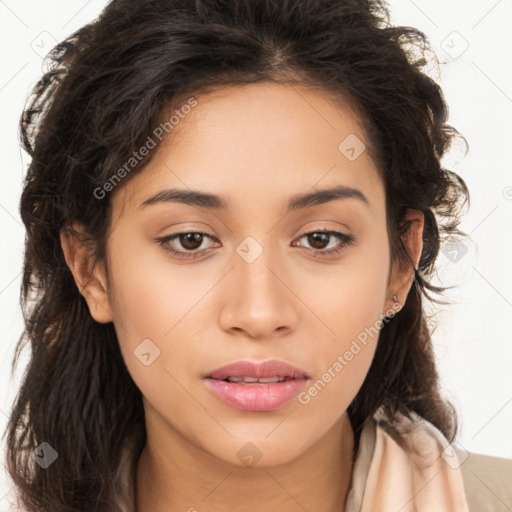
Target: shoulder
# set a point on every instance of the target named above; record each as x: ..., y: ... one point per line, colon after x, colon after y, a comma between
x: 487, y: 481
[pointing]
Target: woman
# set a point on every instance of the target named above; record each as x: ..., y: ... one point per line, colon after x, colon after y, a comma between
x: 233, y: 210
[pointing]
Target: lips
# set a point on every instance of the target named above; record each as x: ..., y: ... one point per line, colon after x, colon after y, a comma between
x: 248, y: 371
x: 252, y: 387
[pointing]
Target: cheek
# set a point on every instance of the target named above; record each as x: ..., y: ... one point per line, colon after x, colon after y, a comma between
x: 155, y: 300
x: 350, y: 297
x: 150, y: 294
x: 343, y: 360
x: 351, y: 304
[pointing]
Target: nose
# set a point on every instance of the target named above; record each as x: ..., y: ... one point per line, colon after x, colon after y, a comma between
x: 258, y: 299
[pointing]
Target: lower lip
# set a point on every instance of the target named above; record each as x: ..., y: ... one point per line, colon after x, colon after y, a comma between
x: 256, y: 397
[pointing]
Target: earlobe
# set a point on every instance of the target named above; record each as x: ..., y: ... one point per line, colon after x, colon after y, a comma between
x: 89, y: 278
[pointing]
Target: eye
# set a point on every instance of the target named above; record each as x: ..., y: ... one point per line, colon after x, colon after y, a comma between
x: 321, y: 240
x: 190, y: 241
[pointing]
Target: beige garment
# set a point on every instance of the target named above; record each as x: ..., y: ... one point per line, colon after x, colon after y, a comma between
x: 401, y: 466
x: 488, y: 482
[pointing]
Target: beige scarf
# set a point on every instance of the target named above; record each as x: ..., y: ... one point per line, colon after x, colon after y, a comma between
x: 405, y: 466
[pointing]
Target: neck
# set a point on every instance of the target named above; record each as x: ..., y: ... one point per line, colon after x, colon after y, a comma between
x: 174, y: 475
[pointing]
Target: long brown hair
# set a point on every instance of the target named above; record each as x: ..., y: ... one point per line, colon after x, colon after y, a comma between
x: 105, y: 89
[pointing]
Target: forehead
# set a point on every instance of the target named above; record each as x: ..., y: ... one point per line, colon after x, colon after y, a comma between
x: 260, y: 141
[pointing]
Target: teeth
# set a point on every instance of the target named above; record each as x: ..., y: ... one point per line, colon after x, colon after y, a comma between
x: 242, y: 379
x: 256, y: 379
x: 273, y: 379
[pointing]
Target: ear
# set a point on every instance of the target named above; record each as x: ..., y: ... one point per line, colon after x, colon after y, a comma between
x: 90, y: 280
x: 402, y: 275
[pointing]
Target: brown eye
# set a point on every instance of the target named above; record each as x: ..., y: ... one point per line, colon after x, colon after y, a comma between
x: 186, y: 244
x: 318, y: 240
x: 191, y: 241
x: 326, y: 243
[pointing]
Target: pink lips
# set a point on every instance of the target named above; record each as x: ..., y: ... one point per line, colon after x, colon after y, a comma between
x: 257, y: 396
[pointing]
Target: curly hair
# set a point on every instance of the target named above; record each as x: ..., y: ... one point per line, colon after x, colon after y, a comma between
x: 104, y: 89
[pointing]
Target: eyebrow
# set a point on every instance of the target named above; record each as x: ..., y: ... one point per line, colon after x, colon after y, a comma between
x: 217, y: 202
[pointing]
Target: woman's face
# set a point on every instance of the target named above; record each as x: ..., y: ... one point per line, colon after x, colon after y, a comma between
x: 263, y: 283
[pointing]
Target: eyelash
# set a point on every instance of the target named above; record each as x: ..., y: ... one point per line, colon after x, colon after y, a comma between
x: 347, y: 241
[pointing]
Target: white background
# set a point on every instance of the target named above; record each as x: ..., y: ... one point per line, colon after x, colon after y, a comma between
x: 473, y: 341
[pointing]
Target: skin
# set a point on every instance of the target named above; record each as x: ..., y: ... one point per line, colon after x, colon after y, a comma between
x: 257, y: 146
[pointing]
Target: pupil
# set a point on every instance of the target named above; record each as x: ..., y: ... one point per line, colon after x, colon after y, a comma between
x: 317, y: 240
x: 191, y: 240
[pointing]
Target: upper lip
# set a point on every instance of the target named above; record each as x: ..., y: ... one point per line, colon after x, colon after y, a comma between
x: 266, y: 369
